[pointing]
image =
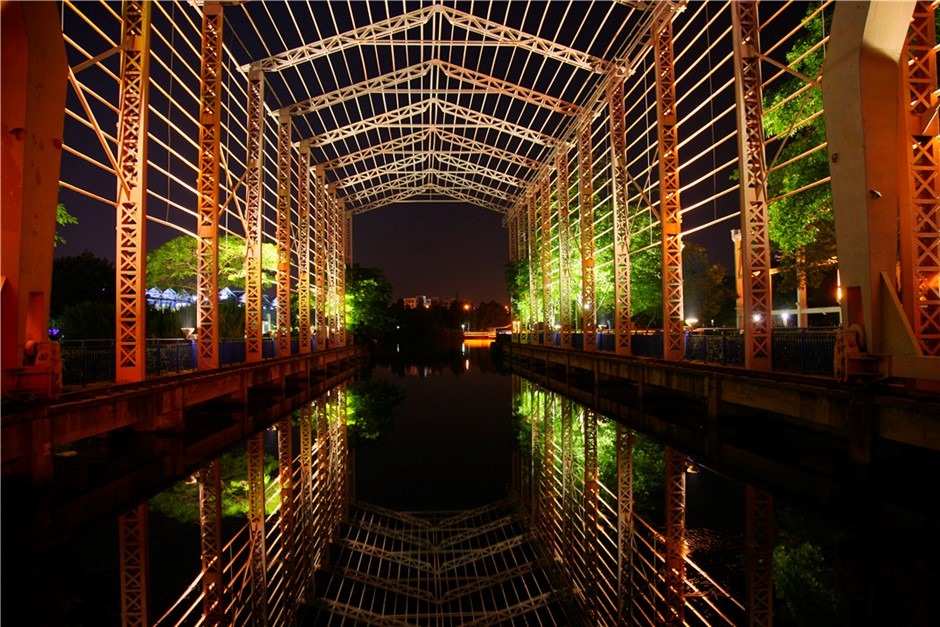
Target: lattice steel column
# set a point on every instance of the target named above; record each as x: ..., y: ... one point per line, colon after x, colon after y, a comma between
x: 755, y: 240
x: 341, y: 224
x: 567, y: 481
x: 676, y: 464
x: 535, y: 475
x: 284, y: 164
x: 131, y: 361
x: 134, y: 539
x: 207, y: 199
x: 590, y: 515
x: 548, y: 338
x: 625, y: 440
x: 564, y: 252
x: 548, y: 466
x: 618, y: 165
x: 210, y: 531
x: 319, y: 258
x: 920, y: 218
x: 669, y: 206
x: 254, y: 190
x: 323, y: 481
x: 257, y: 558
x: 511, y: 225
x: 304, y: 561
x: 344, y: 454
x: 303, y: 246
x: 586, y: 211
x: 285, y: 468
x: 760, y: 551
x: 348, y: 237
x: 532, y: 259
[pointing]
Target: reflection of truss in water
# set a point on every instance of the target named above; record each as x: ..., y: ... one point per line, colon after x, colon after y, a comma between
x: 477, y: 567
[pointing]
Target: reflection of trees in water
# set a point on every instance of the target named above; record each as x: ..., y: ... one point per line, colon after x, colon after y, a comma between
x: 369, y: 408
x: 434, y: 358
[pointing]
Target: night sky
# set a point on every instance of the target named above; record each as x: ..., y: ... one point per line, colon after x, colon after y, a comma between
x: 435, y: 249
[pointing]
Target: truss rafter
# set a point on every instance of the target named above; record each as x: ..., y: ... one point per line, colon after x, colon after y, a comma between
x: 390, y: 80
x: 398, y: 118
x: 383, y: 33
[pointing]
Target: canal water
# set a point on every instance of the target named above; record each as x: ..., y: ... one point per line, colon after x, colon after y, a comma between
x: 436, y: 432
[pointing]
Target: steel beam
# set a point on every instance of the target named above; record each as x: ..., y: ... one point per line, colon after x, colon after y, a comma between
x: 257, y: 553
x: 254, y: 191
x: 304, y: 202
x: 134, y: 539
x: 586, y: 212
x: 676, y: 465
x: 342, y: 238
x: 285, y: 467
x: 564, y: 246
x: 532, y: 259
x: 920, y: 216
x: 210, y: 533
x: 755, y: 239
x: 305, y: 553
x: 591, y: 557
x: 669, y: 205
x: 133, y: 114
x: 548, y: 466
x: 383, y: 32
x: 319, y: 259
x: 760, y: 552
x: 284, y: 167
x: 621, y: 213
x: 548, y: 337
x: 207, y: 198
x: 625, y: 440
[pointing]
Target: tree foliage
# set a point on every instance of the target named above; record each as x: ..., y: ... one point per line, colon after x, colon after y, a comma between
x: 174, y: 264
x: 801, y: 225
x: 181, y: 501
x: 517, y: 284
x: 368, y: 296
x: 81, y: 278
x: 369, y: 410
x: 62, y: 218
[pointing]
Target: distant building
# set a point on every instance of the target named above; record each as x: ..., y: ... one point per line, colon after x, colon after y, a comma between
x: 413, y: 302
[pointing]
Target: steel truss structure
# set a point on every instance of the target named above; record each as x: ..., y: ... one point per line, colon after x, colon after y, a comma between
x: 624, y: 570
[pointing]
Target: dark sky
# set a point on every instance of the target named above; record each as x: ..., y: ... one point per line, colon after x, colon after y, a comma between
x: 435, y: 249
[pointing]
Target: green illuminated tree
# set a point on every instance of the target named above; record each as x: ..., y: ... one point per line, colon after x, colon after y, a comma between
x: 368, y: 297
x: 801, y: 225
x: 62, y: 218
x: 174, y: 264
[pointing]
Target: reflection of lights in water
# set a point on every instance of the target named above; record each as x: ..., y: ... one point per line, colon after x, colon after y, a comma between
x: 466, y: 364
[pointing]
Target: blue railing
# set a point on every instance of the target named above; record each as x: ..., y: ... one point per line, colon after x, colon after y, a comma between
x: 92, y: 361
x: 802, y: 350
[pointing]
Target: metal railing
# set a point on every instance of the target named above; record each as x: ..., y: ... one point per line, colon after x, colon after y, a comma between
x: 85, y: 362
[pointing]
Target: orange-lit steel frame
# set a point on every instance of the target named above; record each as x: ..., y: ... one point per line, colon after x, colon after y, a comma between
x: 535, y: 477
x: 569, y: 506
x: 254, y: 190
x: 285, y: 466
x: 759, y: 540
x: 676, y: 465
x: 207, y: 242
x: 210, y: 528
x: 590, y: 515
x: 319, y: 258
x: 341, y: 259
x: 625, y: 567
x: 130, y: 360
x: 548, y: 335
x: 586, y: 213
x: 755, y: 239
x: 547, y: 510
x: 920, y: 217
x: 669, y: 205
x: 564, y: 243
x: 256, y: 531
x: 322, y: 495
x: 306, y: 552
x: 618, y: 164
x: 532, y: 259
x: 284, y: 163
x: 134, y: 539
x: 303, y: 245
